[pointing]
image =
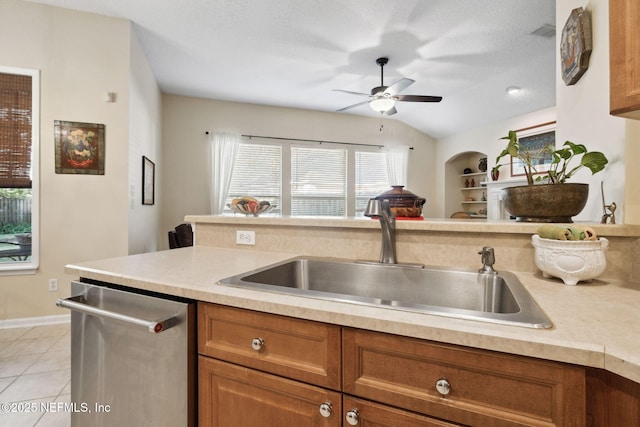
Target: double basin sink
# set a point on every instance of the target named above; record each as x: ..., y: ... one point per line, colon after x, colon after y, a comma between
x: 495, y: 298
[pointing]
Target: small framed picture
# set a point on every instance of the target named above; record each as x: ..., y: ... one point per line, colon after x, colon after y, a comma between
x: 536, y: 140
x: 79, y: 148
x: 148, y: 181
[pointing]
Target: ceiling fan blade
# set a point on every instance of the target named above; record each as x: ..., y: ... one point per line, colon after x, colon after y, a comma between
x: 350, y: 92
x: 391, y: 111
x: 418, y: 98
x: 399, y: 86
x: 353, y: 106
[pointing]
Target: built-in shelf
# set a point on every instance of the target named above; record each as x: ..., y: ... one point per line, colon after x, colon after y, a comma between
x: 475, y: 208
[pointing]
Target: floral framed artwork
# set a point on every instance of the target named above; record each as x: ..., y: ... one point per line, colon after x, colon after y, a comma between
x: 535, y: 140
x: 148, y: 181
x: 79, y: 148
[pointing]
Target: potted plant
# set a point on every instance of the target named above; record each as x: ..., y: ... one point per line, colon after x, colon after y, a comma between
x: 552, y: 199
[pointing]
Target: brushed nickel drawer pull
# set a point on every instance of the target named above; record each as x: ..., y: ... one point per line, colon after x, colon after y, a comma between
x: 443, y: 386
x: 325, y: 409
x: 257, y: 344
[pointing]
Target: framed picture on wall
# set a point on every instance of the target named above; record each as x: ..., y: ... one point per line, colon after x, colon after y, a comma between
x: 148, y: 181
x: 535, y: 140
x: 79, y: 147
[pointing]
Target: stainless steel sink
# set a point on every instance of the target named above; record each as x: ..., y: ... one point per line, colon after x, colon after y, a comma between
x: 496, y: 298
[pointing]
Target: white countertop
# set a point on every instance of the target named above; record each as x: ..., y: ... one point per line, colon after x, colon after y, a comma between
x: 595, y: 324
x: 427, y: 224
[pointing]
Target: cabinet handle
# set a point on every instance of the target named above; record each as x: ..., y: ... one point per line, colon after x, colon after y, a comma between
x: 443, y: 386
x: 257, y: 344
x: 325, y: 409
x: 352, y: 417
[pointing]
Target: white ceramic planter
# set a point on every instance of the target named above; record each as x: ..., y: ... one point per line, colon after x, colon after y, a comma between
x: 570, y: 260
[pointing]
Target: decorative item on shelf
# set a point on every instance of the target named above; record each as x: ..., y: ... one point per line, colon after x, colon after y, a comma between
x: 467, y: 171
x: 484, y: 197
x: 403, y: 203
x: 575, y: 46
x: 466, y: 183
x: 495, y: 174
x: 553, y: 199
x: 473, y: 182
x: 250, y: 206
x: 607, y: 217
x: 572, y: 254
x: 482, y: 165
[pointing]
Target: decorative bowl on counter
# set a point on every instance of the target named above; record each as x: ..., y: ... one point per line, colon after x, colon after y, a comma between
x: 570, y: 260
x: 248, y: 205
x: 403, y: 202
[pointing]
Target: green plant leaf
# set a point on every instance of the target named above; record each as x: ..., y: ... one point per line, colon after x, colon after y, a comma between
x: 595, y: 161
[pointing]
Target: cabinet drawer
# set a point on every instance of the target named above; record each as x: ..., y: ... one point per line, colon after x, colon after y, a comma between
x: 231, y: 395
x: 486, y: 388
x: 371, y: 414
x: 299, y: 349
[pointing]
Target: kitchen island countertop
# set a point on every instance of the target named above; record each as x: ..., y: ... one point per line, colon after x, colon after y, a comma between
x: 596, y: 324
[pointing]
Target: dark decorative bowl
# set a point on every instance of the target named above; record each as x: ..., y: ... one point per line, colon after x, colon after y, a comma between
x: 545, y: 202
x: 403, y: 202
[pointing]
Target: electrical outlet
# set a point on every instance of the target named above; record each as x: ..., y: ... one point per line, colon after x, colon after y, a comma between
x: 53, y: 285
x: 245, y: 237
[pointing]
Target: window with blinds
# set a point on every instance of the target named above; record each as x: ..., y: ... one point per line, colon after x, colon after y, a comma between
x: 371, y: 177
x: 15, y: 131
x: 19, y: 160
x: 309, y: 180
x: 318, y: 181
x: 257, y: 172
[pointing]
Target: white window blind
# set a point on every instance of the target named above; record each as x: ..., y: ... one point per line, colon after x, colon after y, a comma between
x: 371, y: 177
x: 257, y: 173
x: 304, y: 180
x: 318, y: 181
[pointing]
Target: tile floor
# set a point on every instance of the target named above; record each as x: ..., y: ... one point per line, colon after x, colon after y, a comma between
x: 35, y: 368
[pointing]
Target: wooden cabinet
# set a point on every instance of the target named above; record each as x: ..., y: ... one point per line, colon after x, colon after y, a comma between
x: 262, y: 369
x: 231, y: 395
x: 612, y: 400
x: 294, y: 348
x: 478, y: 388
x: 624, y: 58
x: 259, y: 369
x: 474, y: 194
x: 371, y: 414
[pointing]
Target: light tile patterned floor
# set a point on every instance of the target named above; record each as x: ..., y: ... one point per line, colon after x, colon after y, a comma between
x: 35, y: 369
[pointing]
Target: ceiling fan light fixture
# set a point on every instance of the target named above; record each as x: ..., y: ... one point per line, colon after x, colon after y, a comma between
x: 382, y: 105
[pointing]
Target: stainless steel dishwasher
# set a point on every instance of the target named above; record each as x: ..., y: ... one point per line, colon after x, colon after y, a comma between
x: 133, y: 357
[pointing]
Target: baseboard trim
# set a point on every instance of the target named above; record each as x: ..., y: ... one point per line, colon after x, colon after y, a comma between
x: 26, y: 322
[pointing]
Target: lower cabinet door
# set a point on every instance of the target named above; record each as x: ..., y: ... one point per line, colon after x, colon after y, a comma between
x: 362, y: 413
x: 231, y: 395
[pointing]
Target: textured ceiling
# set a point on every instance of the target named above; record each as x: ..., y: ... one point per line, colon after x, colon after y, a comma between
x: 293, y: 53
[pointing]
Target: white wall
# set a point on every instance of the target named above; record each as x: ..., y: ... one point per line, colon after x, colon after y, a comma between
x: 583, y: 113
x: 144, y: 140
x: 82, y: 217
x: 185, y: 154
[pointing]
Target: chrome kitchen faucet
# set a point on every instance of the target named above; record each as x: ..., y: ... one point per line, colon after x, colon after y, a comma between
x: 382, y: 210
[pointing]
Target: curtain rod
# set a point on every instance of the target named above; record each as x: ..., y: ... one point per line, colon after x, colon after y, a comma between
x: 310, y: 140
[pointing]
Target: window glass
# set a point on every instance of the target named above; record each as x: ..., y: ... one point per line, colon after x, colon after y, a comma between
x: 318, y: 181
x: 371, y: 177
x: 257, y: 173
x: 303, y: 180
x: 19, y: 135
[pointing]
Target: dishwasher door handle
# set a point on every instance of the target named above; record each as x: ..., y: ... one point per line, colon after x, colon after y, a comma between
x: 74, y: 303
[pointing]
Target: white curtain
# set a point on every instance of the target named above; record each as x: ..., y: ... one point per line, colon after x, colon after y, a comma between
x: 224, y: 148
x: 397, y: 163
